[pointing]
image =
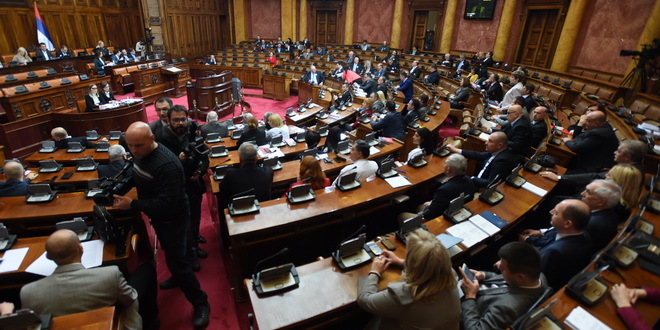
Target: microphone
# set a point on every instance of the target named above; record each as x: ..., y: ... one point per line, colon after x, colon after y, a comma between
x: 353, y: 235
x: 342, y: 174
x: 279, y: 253
x: 242, y: 193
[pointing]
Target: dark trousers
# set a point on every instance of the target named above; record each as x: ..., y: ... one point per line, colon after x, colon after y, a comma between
x: 195, y: 201
x: 143, y: 280
x: 173, y: 238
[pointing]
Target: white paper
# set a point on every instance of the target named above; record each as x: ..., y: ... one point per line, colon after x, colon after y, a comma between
x: 397, y: 181
x: 92, y: 257
x: 485, y: 123
x: 581, y: 319
x: 13, y: 259
x: 536, y: 190
x: 373, y: 150
x: 484, y: 136
x: 484, y: 224
x: 470, y: 234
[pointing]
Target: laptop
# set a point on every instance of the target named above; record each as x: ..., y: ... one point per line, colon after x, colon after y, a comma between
x: 348, y: 182
x: 78, y: 226
x: 74, y: 147
x: 301, y: 193
x: 277, y: 142
x: 273, y: 163
x: 352, y: 253
x: 86, y: 165
x: 323, y: 131
x: 115, y: 135
x: 102, y: 146
x: 6, y: 240
x: 213, y: 138
x: 244, y: 205
x: 386, y: 169
x: 457, y: 211
x: 418, y: 161
x: 344, y: 147
x: 47, y: 147
x: 49, y: 166
x: 93, y: 135
x: 93, y: 188
x: 219, y: 172
x: 219, y: 151
x: 39, y: 193
x: 236, y: 134
x: 408, y: 225
x: 371, y: 139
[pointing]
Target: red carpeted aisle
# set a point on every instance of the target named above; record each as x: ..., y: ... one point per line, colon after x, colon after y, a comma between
x: 175, y: 311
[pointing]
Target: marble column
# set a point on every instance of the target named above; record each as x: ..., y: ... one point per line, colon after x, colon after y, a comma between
x: 239, y: 20
x: 650, y: 32
x: 504, y: 30
x: 395, y: 40
x: 569, y: 33
x: 302, y: 28
x: 289, y: 19
x: 350, y: 18
x: 448, y: 26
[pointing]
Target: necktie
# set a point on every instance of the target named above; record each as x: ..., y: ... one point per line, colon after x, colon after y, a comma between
x: 485, y: 166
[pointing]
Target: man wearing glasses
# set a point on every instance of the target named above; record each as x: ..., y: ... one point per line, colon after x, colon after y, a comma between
x: 157, y: 126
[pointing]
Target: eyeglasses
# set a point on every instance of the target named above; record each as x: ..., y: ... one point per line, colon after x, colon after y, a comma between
x: 94, y: 87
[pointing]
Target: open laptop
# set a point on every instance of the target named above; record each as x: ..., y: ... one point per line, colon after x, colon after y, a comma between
x: 47, y: 147
x: 115, y: 135
x: 301, y: 193
x: 371, y: 139
x: 49, y: 166
x: 74, y: 147
x: 102, y: 146
x: 277, y: 142
x: 93, y: 188
x: 352, y: 253
x: 457, y: 211
x: 39, y: 193
x: 219, y: 151
x: 348, y: 182
x: 418, y: 161
x: 244, y: 205
x: 236, y: 134
x: 408, y: 225
x: 213, y: 138
x: 86, y: 165
x: 78, y: 226
x: 344, y: 147
x: 386, y: 169
x: 93, y: 135
x: 273, y: 163
x: 220, y: 171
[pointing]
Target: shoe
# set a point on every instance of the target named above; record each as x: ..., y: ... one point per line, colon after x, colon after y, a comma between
x: 201, y: 253
x: 201, y: 239
x: 168, y: 284
x: 195, y: 266
x: 201, y: 315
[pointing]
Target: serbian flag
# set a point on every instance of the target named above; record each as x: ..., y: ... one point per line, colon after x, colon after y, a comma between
x: 351, y: 76
x: 42, y: 32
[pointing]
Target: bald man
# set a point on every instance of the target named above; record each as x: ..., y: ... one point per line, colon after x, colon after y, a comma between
x: 15, y: 184
x: 73, y: 289
x: 496, y: 162
x: 517, y: 130
x: 594, y: 146
x: 313, y: 77
x: 539, y: 127
x: 62, y: 139
x: 158, y: 177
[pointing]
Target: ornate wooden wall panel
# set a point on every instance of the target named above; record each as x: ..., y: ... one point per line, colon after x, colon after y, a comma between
x: 193, y: 28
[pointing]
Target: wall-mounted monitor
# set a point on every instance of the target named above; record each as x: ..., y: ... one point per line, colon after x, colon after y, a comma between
x: 479, y: 9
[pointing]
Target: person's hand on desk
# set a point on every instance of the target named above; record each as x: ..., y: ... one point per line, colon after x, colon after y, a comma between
x: 32, y: 175
x: 392, y: 258
x: 625, y: 297
x: 566, y: 139
x: 121, y: 202
x: 453, y: 149
x: 470, y: 288
x: 528, y: 233
x: 379, y: 265
x: 549, y: 175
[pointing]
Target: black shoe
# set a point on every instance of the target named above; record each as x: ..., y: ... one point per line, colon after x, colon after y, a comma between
x: 201, y: 239
x: 168, y: 284
x: 201, y: 253
x: 201, y: 315
x: 195, y: 266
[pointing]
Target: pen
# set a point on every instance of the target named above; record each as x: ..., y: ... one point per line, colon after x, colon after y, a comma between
x: 405, y: 177
x: 400, y: 171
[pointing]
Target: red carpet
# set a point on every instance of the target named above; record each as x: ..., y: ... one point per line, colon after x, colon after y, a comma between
x: 175, y: 311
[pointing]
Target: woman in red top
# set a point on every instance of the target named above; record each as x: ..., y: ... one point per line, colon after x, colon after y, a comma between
x: 271, y: 58
x: 310, y: 172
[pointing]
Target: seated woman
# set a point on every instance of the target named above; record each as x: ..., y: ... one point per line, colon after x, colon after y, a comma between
x: 423, y: 139
x: 474, y: 74
x: 426, y: 298
x: 22, y: 57
x: 630, y: 180
x: 366, y: 109
x: 461, y: 95
x: 265, y: 121
x: 392, y: 124
x: 311, y: 172
x: 271, y: 58
x: 277, y: 128
x: 106, y: 93
x: 92, y: 98
x: 379, y: 102
x: 252, y: 132
x: 99, y: 63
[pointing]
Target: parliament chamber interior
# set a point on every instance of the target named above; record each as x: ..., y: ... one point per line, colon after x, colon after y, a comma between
x: 330, y: 164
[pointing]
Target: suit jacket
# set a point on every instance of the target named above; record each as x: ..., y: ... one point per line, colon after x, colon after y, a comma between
x: 487, y: 62
x: 239, y: 182
x: 446, y: 192
x: 13, y: 187
x: 112, y: 168
x: 407, y: 88
x: 539, y: 132
x: 501, y: 165
x: 518, y: 135
x: 344, y: 98
x: 59, y: 54
x: 495, y: 92
x: 593, y: 149
x: 415, y: 72
x: 602, y: 227
x: 42, y: 57
x: 395, y: 308
x: 391, y: 126
x: 308, y: 77
x: 529, y: 104
x: 380, y: 73
x: 256, y: 136
x: 369, y: 86
x: 106, y: 99
x: 462, y: 95
x: 357, y: 69
x: 157, y: 128
x: 215, y: 127
x: 64, y: 143
x: 73, y: 289
x: 89, y: 103
x: 433, y: 78
x: 338, y: 73
x: 498, y: 308
x: 463, y: 66
x: 103, y: 50
x: 562, y: 259
x: 99, y: 65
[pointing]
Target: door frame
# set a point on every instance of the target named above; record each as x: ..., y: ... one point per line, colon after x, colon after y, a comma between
x: 327, y: 5
x: 561, y: 17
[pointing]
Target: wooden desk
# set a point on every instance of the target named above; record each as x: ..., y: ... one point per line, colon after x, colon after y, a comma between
x: 150, y: 84
x: 300, y: 119
x: 98, y: 319
x: 212, y: 93
x: 63, y: 157
x: 250, y: 76
x: 78, y: 180
x: 277, y: 87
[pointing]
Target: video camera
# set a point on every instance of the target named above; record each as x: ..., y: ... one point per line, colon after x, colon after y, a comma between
x: 116, y: 185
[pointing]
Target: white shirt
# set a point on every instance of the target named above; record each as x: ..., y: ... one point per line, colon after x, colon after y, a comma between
x: 364, y: 168
x: 277, y: 131
x: 511, y: 95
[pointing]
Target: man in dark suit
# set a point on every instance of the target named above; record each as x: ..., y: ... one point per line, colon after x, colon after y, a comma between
x: 162, y: 106
x: 214, y: 126
x: 382, y: 86
x: 380, y: 71
x: 565, y: 248
x: 369, y: 84
x: 345, y: 95
x: 493, y: 88
x: 339, y: 71
x: 313, y: 77
x: 415, y: 70
x: 132, y: 56
x: 406, y: 86
x: 495, y: 301
x: 62, y: 139
x: 100, y: 47
x: 539, y: 127
x: 117, y: 157
x: 529, y: 102
x: 43, y: 54
x: 350, y: 58
x: 463, y: 65
x: 517, y: 130
x: 279, y: 48
x: 15, y: 184
x: 249, y: 179
x: 211, y: 60
x: 447, y: 61
x: 456, y: 184
x: 383, y: 48
x: 602, y: 196
x: 434, y: 76
x: 356, y: 66
x: 63, y: 52
x: 594, y: 146
x: 496, y: 161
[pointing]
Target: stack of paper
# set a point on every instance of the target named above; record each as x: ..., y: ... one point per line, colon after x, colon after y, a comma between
x: 536, y: 190
x: 581, y: 319
x: 477, y: 228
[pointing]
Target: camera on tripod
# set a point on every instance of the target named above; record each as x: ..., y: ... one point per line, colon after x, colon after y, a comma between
x: 116, y: 185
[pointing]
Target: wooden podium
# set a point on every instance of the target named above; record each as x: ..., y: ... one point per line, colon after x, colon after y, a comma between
x: 277, y: 87
x: 213, y: 92
x: 307, y: 91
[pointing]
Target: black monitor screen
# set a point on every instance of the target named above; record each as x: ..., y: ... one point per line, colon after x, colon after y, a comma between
x: 479, y: 9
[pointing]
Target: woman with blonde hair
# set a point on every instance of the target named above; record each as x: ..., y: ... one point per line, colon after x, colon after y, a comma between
x: 92, y: 98
x: 311, y: 172
x: 379, y: 102
x: 22, y: 57
x: 630, y: 180
x: 277, y: 128
x: 426, y: 298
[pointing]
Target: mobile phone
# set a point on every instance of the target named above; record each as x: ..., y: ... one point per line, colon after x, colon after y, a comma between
x: 375, y: 249
x: 339, y: 159
x: 67, y: 175
x: 327, y: 160
x: 468, y: 272
x: 388, y: 244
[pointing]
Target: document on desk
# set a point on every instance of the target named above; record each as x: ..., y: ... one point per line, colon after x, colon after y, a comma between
x: 470, y: 233
x: 536, y: 190
x: 13, y: 259
x: 581, y: 319
x: 373, y: 150
x: 397, y: 181
x: 484, y: 224
x: 484, y: 136
x: 92, y: 257
x: 485, y: 123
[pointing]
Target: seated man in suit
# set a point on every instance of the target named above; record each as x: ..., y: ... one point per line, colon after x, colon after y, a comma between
x: 338, y: 72
x: 73, y: 289
x: 463, y: 65
x: 517, y: 130
x: 349, y: 58
x: 565, y: 248
x: 602, y: 196
x: 434, y: 76
x: 15, y: 184
x: 415, y: 70
x: 365, y: 45
x: 355, y: 66
x: 383, y: 48
x: 249, y: 179
x: 380, y: 71
x: 447, y: 61
x: 594, y: 146
x: 132, y: 56
x: 313, y: 77
x: 488, y: 303
x: 497, y: 160
x: 63, y: 52
x: 43, y: 54
x: 368, y: 85
x: 117, y: 157
x: 211, y: 60
x: 364, y: 167
x: 345, y: 95
x: 162, y: 106
x: 62, y: 139
x: 320, y: 51
x: 214, y: 126
x: 528, y: 96
x: 539, y: 127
